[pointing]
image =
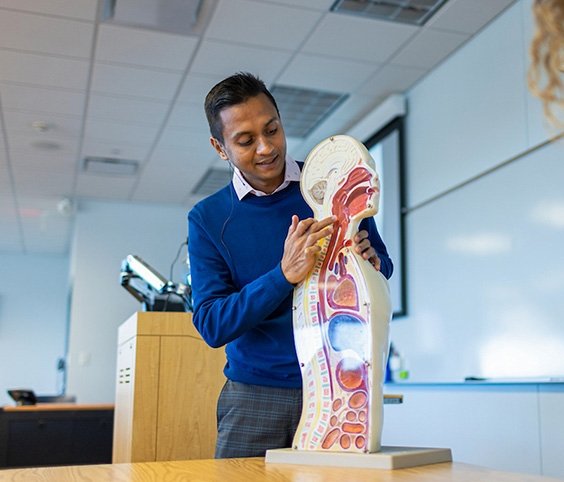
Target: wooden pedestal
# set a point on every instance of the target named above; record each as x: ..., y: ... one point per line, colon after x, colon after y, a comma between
x: 168, y: 382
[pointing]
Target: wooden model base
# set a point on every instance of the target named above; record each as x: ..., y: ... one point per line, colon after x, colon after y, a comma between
x: 388, y: 458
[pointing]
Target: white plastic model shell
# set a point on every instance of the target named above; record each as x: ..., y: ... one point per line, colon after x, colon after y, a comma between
x: 342, y: 310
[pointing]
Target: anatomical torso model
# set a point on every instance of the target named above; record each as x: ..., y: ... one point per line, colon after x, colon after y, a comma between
x: 342, y: 310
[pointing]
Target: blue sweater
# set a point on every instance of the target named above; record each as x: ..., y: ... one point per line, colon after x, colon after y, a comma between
x: 241, y: 297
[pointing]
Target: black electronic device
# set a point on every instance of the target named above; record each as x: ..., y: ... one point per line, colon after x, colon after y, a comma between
x: 152, y: 289
x: 23, y: 396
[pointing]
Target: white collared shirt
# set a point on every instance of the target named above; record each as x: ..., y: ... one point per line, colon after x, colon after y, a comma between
x: 242, y: 187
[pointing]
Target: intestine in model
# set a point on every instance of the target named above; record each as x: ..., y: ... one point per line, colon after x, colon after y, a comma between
x: 342, y: 309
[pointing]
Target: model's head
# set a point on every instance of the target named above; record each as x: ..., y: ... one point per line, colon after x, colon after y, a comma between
x: 546, y: 73
x: 231, y: 91
x: 339, y: 177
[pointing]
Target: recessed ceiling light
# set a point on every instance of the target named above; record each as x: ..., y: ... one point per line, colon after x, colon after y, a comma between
x: 46, y: 145
x: 109, y: 166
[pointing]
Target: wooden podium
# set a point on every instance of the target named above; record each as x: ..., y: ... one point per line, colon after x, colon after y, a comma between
x: 168, y: 382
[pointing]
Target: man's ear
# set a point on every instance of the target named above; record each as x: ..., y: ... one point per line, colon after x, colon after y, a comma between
x: 219, y: 148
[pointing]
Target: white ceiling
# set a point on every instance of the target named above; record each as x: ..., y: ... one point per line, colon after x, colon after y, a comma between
x: 103, y: 89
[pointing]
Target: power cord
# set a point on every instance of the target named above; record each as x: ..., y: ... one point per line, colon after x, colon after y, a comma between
x: 184, y: 243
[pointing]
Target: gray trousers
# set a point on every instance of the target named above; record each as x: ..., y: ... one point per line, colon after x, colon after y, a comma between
x: 252, y: 419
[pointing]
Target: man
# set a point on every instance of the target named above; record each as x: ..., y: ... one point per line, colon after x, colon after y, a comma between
x: 250, y: 244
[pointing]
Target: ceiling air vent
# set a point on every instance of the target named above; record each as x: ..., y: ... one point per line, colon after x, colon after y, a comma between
x: 302, y: 110
x: 415, y: 12
x: 109, y: 166
x: 212, y: 181
x: 184, y: 17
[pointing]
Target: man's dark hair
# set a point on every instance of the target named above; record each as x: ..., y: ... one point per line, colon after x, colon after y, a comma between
x: 232, y: 91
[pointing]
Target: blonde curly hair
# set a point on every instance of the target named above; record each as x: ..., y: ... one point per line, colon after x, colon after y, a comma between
x: 546, y: 72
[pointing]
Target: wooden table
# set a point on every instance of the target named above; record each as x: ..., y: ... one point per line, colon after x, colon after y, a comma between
x: 254, y: 469
x: 57, y: 407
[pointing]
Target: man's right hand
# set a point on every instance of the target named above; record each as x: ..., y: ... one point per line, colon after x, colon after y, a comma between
x: 301, y: 248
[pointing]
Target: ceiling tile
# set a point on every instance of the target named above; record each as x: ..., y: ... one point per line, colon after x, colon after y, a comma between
x: 266, y: 25
x: 170, y: 159
x: 189, y: 115
x: 43, y: 70
x: 391, y: 79
x: 196, y: 87
x: 229, y: 58
x: 118, y: 149
x: 42, y: 205
x: 50, y: 162
x: 41, y: 100
x: 37, y: 144
x: 180, y: 138
x: 326, y: 73
x: 358, y: 38
x: 195, y: 151
x: 467, y: 17
x: 168, y: 179
x: 55, y: 182
x: 38, y: 33
x: 129, y: 81
x: 81, y: 9
x: 144, y: 47
x: 143, y: 135
x: 355, y: 107
x: 7, y: 200
x: 2, y: 142
x: 6, y: 193
x: 429, y: 48
x: 323, y: 5
x: 56, y: 126
x: 104, y: 187
x: 110, y: 107
x: 166, y: 188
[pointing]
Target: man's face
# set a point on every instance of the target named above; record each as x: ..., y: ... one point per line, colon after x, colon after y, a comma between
x: 254, y: 141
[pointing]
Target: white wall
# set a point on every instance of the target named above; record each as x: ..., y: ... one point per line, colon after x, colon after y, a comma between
x: 517, y: 428
x: 105, y: 233
x: 473, y: 113
x: 33, y: 322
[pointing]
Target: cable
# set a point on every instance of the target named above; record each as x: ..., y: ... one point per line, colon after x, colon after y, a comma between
x: 184, y: 243
x: 165, y: 306
x: 231, y: 189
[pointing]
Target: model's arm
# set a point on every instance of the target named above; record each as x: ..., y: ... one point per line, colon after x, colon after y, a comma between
x: 222, y: 313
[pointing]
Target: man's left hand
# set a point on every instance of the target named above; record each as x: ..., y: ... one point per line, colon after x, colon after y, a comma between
x: 363, y: 247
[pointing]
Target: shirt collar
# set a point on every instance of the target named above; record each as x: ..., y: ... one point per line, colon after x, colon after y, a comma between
x: 242, y: 187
